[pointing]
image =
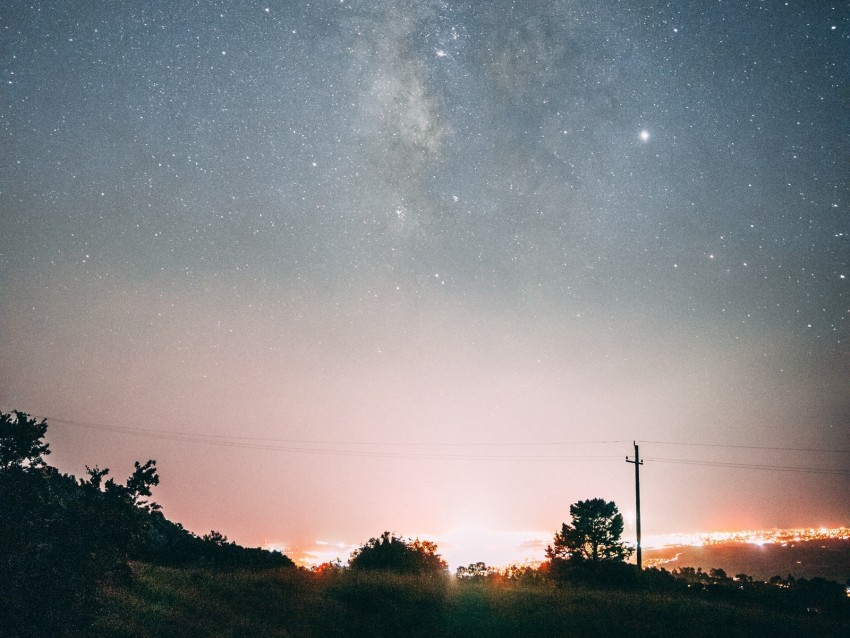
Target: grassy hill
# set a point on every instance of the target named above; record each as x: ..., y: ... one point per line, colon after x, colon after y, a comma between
x: 163, y: 601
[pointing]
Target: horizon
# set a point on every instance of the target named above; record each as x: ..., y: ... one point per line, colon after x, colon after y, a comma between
x: 481, y: 521
x: 467, y: 546
x: 470, y: 543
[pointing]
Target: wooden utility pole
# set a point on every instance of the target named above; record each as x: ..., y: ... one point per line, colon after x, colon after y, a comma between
x: 638, y: 462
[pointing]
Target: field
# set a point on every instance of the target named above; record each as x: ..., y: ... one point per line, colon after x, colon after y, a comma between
x: 288, y: 602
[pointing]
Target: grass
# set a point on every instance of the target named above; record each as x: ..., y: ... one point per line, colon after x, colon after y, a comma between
x: 287, y: 602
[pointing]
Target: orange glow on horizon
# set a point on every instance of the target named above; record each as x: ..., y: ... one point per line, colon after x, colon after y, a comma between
x: 753, y: 537
x: 501, y: 548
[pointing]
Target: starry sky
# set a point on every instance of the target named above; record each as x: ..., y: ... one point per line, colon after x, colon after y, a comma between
x: 343, y: 266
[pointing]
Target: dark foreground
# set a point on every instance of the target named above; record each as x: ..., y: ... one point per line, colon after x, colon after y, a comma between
x: 164, y: 601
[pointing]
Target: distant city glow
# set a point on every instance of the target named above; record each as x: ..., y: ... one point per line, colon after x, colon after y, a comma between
x: 753, y: 537
x: 499, y: 548
x: 496, y: 548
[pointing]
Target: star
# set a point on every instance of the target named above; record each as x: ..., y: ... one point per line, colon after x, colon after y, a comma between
x: 644, y: 135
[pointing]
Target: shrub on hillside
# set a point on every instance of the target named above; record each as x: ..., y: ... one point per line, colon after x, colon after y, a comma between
x: 391, y: 553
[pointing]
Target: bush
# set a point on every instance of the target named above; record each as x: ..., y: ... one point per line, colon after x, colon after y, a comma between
x: 393, y: 554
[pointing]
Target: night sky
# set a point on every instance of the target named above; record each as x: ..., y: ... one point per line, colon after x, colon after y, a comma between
x: 346, y: 266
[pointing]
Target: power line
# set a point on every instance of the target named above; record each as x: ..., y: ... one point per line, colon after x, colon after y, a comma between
x: 751, y: 447
x: 229, y: 441
x: 314, y: 446
x: 755, y: 466
x: 90, y: 424
x: 225, y: 437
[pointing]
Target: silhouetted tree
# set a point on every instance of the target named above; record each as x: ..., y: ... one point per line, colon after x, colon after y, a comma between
x: 719, y: 576
x: 744, y: 579
x: 60, y: 538
x: 21, y: 442
x: 392, y: 553
x: 216, y: 538
x: 527, y: 573
x: 593, y: 535
x: 139, y: 485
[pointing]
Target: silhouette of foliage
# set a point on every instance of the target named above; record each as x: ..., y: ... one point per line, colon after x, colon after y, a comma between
x: 62, y: 538
x: 523, y: 573
x: 814, y: 596
x: 216, y: 538
x: 593, y: 535
x: 21, y: 442
x: 589, y: 549
x: 393, y: 554
x: 169, y: 543
x: 140, y: 482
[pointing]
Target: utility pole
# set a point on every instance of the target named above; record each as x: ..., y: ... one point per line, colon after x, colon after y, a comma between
x: 638, y: 462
